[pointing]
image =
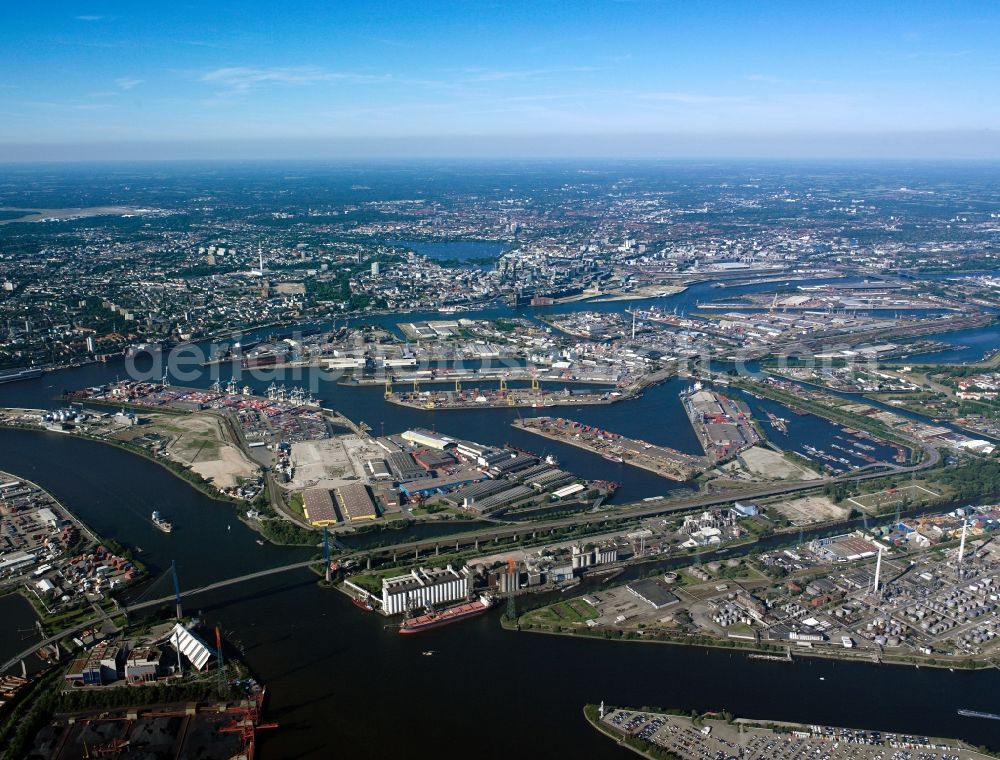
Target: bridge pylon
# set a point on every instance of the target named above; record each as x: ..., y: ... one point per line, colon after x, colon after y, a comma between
x: 177, y: 589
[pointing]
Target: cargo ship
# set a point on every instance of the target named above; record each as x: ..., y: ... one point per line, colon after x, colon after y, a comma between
x: 13, y: 375
x: 434, y: 619
x: 778, y: 423
x: 160, y: 523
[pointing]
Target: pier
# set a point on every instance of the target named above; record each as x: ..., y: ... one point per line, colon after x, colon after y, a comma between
x: 661, y: 460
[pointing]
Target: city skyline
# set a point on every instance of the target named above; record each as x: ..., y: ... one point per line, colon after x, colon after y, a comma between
x: 628, y: 79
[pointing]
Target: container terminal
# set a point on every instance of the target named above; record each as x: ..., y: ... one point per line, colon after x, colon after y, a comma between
x: 502, y: 398
x: 724, y: 426
x: 662, y: 460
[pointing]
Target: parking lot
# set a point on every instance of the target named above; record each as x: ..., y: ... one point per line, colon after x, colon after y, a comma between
x: 719, y: 740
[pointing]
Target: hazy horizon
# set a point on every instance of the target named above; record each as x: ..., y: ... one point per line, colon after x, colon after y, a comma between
x: 936, y: 146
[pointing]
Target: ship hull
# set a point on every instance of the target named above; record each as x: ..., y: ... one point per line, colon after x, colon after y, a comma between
x: 425, y: 623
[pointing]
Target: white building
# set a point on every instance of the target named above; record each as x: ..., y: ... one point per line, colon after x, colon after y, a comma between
x: 425, y: 586
x: 193, y: 648
x: 428, y: 439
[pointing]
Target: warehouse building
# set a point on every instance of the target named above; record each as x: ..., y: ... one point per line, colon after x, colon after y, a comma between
x: 428, y: 439
x: 404, y: 468
x: 355, y: 502
x: 652, y: 592
x: 196, y: 651
x: 502, y: 500
x: 317, y: 504
x: 379, y: 469
x: 464, y: 497
x: 433, y: 459
x: 441, y: 483
x: 422, y: 587
x: 520, y: 462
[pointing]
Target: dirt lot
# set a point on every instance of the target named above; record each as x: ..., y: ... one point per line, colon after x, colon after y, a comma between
x: 202, y: 441
x: 332, y: 462
x: 774, y: 466
x: 810, y: 509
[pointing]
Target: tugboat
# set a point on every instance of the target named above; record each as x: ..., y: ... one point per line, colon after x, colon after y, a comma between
x: 362, y: 603
x: 160, y: 523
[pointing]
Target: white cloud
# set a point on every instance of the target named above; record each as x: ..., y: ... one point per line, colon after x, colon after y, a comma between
x: 88, y: 18
x: 691, y: 98
x: 481, y: 75
x: 243, y: 78
x: 127, y: 83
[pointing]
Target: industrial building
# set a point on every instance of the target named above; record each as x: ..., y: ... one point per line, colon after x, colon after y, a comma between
x: 441, y: 483
x: 99, y: 667
x: 652, y: 592
x: 405, y: 469
x: 433, y: 459
x: 142, y: 665
x: 317, y: 503
x: 355, y: 502
x: 466, y: 496
x: 519, y: 462
x: 598, y: 555
x: 379, y: 469
x: 423, y: 587
x: 502, y: 500
x: 428, y: 439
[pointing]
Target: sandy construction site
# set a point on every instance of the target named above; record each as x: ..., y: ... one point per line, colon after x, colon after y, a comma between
x: 203, y: 441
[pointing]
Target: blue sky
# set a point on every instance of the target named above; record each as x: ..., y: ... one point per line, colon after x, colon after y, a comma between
x: 169, y: 80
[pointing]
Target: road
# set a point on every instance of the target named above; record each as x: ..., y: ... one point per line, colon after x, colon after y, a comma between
x: 103, y: 617
x: 931, y: 458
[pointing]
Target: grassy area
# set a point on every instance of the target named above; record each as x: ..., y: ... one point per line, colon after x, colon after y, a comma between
x: 296, y: 503
x: 371, y: 582
x: 572, y: 611
x: 435, y: 509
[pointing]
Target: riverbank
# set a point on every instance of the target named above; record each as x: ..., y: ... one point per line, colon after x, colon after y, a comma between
x: 786, y: 654
x: 189, y: 477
